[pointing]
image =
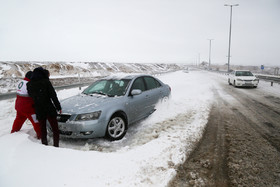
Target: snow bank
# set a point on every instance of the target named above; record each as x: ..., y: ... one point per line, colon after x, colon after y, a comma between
x: 147, y: 156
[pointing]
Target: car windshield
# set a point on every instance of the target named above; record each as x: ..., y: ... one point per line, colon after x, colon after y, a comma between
x: 243, y: 73
x: 110, y: 87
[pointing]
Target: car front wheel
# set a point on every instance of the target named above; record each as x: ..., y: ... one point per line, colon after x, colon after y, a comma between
x: 116, y: 128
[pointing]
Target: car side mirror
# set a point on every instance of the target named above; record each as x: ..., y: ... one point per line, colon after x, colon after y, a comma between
x: 136, y: 92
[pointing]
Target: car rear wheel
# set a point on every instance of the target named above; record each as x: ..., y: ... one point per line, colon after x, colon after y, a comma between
x: 116, y: 128
x: 164, y: 99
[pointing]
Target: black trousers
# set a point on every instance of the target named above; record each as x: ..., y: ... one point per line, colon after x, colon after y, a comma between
x: 54, y: 125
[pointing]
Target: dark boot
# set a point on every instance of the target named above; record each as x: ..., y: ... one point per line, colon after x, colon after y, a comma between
x: 54, y: 125
x: 44, y: 141
x: 43, y: 132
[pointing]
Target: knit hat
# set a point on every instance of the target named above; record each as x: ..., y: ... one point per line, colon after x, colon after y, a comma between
x: 28, y: 74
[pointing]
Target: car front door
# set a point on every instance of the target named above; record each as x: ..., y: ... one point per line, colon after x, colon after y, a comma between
x: 137, y: 105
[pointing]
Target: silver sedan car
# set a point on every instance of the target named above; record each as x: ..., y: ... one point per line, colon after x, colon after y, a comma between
x: 108, y: 106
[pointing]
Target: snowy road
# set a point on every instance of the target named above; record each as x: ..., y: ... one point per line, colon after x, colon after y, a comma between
x: 149, y: 154
x: 241, y: 143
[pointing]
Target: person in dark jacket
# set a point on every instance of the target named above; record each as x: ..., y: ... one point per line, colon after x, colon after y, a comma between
x: 25, y: 107
x: 46, y: 103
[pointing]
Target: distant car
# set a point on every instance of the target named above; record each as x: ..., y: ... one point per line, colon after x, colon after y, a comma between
x: 243, y: 78
x: 186, y: 71
x: 108, y: 106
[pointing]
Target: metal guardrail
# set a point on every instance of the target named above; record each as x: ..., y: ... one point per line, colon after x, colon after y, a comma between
x: 270, y: 78
x: 9, y: 95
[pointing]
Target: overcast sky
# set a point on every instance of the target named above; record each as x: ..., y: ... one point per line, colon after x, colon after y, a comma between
x: 140, y: 31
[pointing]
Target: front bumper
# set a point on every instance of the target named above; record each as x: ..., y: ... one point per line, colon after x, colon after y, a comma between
x: 247, y: 83
x: 81, y: 129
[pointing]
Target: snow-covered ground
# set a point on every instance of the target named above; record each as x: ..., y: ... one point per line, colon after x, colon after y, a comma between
x: 146, y: 156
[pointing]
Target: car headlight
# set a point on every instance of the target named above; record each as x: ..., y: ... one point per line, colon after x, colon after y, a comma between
x: 239, y: 79
x: 88, y: 116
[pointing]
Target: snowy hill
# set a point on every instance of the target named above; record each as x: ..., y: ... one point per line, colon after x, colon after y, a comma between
x: 12, y: 72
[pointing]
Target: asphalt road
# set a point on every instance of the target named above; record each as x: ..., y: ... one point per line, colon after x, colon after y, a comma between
x: 241, y: 142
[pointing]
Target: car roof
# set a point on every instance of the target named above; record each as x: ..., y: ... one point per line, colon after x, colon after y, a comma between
x: 125, y: 76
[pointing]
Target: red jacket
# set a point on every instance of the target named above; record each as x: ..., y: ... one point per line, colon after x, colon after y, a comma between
x: 24, y: 103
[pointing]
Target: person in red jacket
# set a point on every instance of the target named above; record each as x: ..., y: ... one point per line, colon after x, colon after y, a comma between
x: 25, y: 107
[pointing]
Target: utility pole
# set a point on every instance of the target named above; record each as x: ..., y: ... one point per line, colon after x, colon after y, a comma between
x: 229, y: 43
x: 210, y: 52
x: 198, y: 59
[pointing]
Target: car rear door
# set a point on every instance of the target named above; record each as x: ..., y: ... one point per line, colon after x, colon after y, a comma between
x: 154, y: 92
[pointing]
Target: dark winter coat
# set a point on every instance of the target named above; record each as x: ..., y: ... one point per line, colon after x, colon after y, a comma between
x: 43, y: 94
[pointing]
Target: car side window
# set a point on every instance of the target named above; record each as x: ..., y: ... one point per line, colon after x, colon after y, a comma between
x: 238, y: 73
x: 138, y: 84
x: 151, y: 83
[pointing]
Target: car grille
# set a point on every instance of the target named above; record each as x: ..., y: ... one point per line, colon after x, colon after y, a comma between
x: 63, y: 117
x: 67, y: 133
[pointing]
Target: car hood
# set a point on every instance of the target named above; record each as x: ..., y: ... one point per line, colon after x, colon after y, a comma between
x: 86, y: 103
x: 246, y: 77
